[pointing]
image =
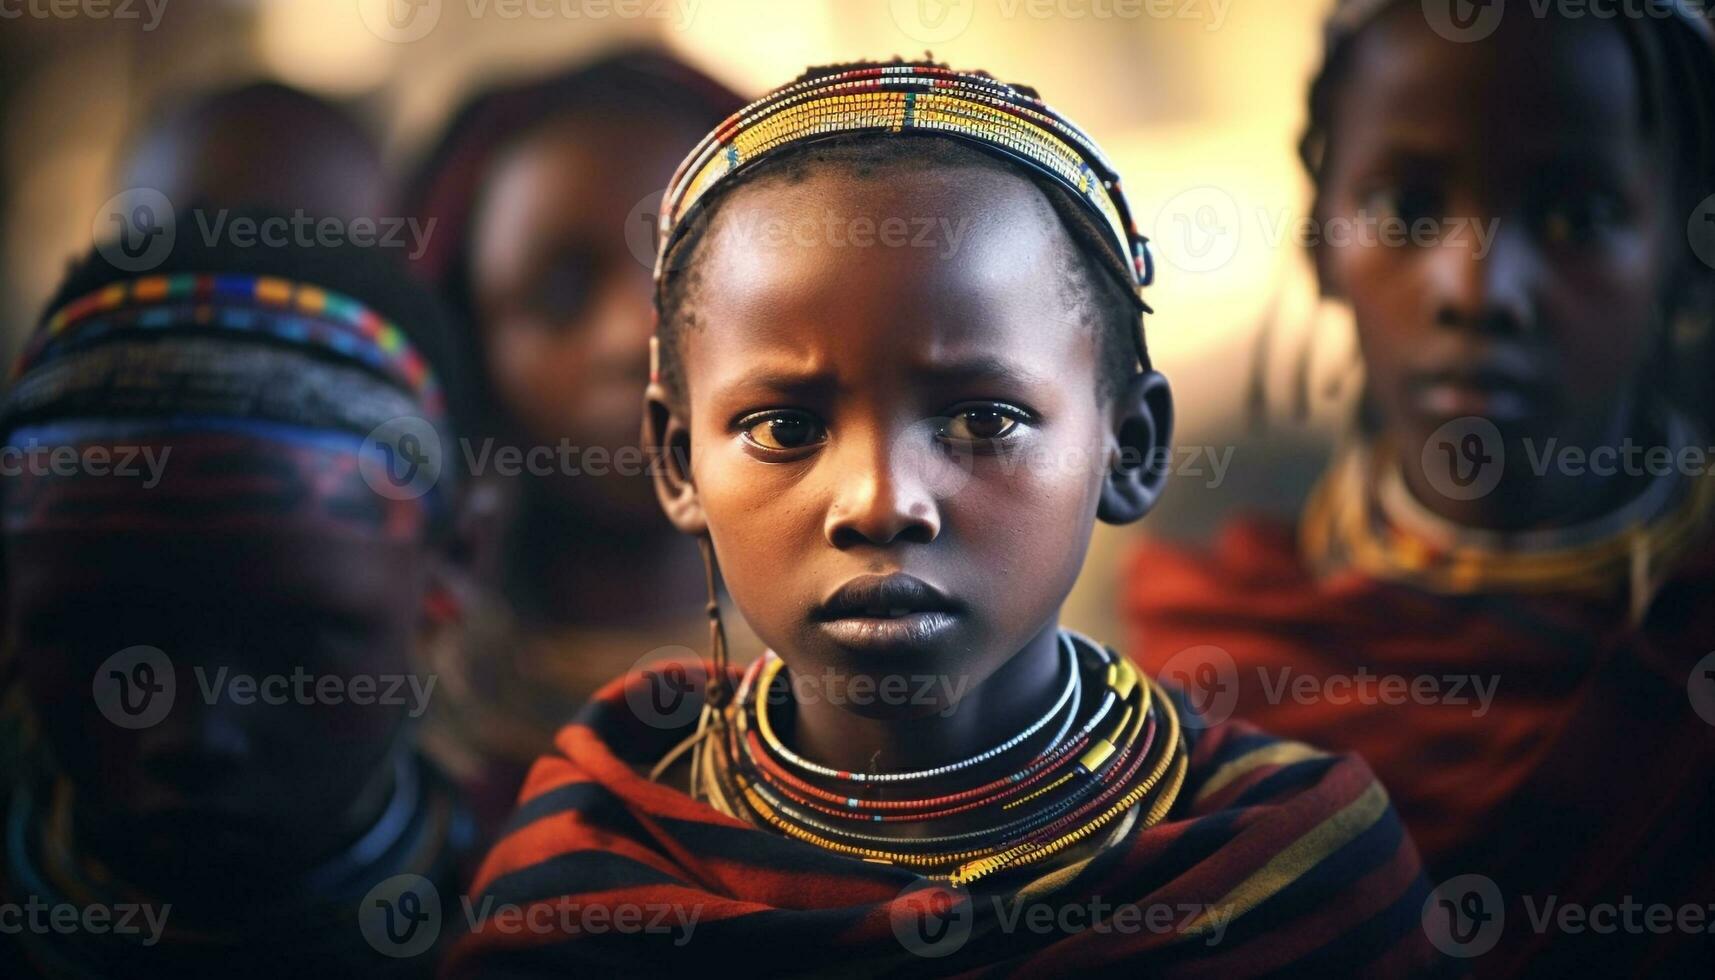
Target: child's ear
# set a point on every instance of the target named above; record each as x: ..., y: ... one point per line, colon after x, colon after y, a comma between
x: 667, y: 445
x: 1143, y: 446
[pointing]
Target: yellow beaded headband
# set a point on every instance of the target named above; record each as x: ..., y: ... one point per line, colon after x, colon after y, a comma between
x: 1005, y: 120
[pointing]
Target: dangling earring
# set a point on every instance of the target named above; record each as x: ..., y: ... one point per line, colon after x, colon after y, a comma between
x: 720, y: 690
x: 717, y: 691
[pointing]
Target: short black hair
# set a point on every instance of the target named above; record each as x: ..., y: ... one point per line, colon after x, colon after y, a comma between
x: 1093, y: 294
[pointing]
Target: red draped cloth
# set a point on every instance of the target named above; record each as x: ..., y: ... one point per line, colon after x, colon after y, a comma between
x: 1588, y: 778
x: 1292, y: 855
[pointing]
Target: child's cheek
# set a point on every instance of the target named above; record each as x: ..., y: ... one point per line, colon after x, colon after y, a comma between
x: 1049, y: 484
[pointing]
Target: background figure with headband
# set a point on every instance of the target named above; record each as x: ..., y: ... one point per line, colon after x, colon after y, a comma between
x: 896, y: 455
x: 217, y: 593
x: 1516, y: 535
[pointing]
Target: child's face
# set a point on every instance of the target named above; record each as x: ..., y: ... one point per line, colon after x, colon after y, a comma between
x: 284, y: 645
x: 1537, y: 307
x: 563, y: 300
x: 869, y: 412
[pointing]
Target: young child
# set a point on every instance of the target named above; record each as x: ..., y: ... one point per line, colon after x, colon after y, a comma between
x: 1547, y: 610
x: 214, y: 598
x: 897, y: 452
x: 543, y: 196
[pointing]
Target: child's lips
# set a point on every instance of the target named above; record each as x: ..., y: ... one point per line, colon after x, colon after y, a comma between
x: 886, y: 611
x: 912, y: 629
x: 1499, y: 397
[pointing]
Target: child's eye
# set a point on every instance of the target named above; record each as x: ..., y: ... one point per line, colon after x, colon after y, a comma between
x: 1579, y: 219
x: 1408, y: 203
x: 984, y: 423
x: 782, y: 431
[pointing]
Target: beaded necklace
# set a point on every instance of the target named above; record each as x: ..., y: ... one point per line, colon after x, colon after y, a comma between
x: 770, y: 666
x: 1076, y: 785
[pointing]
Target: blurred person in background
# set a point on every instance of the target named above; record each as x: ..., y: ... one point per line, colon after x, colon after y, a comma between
x: 1542, y: 623
x: 545, y: 199
x: 260, y: 145
x: 216, y: 597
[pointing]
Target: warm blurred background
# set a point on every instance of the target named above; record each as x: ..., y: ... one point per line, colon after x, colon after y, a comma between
x: 1198, y: 101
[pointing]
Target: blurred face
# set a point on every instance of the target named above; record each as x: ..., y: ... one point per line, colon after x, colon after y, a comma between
x: 283, y: 645
x: 899, y: 450
x: 563, y: 287
x: 1536, y: 308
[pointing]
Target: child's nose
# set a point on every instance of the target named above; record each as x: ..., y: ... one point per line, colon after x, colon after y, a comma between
x: 1489, y: 288
x: 882, y: 496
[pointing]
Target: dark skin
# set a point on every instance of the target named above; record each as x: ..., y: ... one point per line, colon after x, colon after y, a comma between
x: 222, y: 793
x: 1551, y: 333
x: 565, y: 316
x: 260, y: 149
x: 830, y: 390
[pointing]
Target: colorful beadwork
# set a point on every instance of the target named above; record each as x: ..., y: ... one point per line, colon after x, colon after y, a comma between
x: 997, y: 117
x: 295, y: 313
x: 1063, y: 793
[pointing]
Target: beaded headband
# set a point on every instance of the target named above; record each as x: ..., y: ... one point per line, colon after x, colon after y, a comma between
x: 284, y: 313
x: 1004, y: 120
x: 203, y: 367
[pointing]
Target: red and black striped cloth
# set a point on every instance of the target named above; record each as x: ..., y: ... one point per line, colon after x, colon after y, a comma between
x: 1586, y: 779
x: 1277, y: 857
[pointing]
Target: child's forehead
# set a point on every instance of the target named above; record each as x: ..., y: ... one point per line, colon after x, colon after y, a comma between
x: 834, y: 250
x: 930, y: 223
x: 1527, y: 63
x: 1535, y: 94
